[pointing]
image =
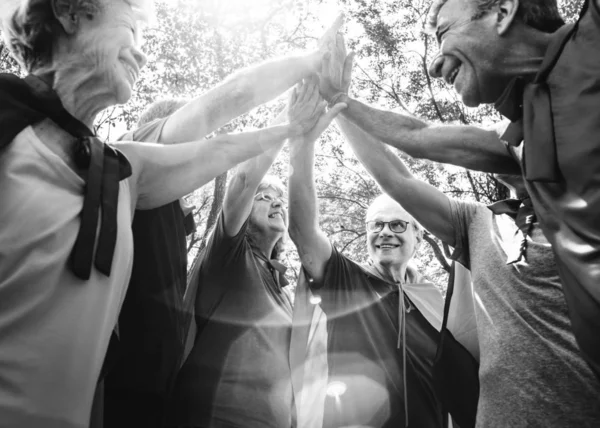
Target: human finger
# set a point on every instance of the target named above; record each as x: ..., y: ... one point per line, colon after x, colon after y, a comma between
x: 325, y: 120
x: 347, y: 73
x: 336, y: 25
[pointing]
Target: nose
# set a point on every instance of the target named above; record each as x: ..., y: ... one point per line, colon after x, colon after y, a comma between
x: 386, y: 231
x: 276, y: 203
x: 139, y: 57
x: 435, y: 68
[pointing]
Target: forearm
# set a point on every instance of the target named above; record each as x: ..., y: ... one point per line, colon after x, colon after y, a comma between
x: 166, y: 173
x: 303, y: 204
x: 383, y: 165
x: 389, y: 127
x: 466, y: 146
x: 236, y: 95
x: 241, y: 189
x: 428, y: 205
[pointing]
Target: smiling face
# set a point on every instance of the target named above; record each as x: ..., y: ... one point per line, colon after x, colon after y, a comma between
x: 387, y: 247
x: 472, y: 53
x: 269, y: 213
x: 105, y: 48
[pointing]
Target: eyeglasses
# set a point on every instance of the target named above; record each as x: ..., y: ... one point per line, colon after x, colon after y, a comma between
x: 262, y: 196
x: 396, y: 226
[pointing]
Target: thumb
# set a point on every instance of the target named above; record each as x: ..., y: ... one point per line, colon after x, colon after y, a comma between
x: 326, y: 119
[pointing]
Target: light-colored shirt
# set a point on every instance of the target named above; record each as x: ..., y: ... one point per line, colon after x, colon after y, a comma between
x: 531, y: 370
x: 54, y: 327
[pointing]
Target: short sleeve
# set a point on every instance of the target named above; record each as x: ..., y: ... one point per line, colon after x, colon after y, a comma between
x: 462, y: 215
x: 147, y: 133
x: 344, y: 286
x: 222, y: 250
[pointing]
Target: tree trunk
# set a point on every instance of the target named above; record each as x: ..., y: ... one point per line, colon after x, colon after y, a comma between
x: 439, y: 255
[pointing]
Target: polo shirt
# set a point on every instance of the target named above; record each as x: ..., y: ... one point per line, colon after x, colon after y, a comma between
x: 561, y: 164
x: 364, y: 352
x: 238, y: 372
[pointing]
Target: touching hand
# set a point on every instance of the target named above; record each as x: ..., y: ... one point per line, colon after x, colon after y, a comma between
x: 336, y: 73
x: 307, y: 110
x: 327, y: 44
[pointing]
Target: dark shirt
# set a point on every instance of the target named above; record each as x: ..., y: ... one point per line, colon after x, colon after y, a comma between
x: 565, y: 140
x: 363, y: 352
x: 152, y: 324
x: 238, y: 373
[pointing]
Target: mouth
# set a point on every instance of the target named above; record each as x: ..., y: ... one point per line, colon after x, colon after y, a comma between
x: 451, y: 77
x: 131, y: 71
x: 276, y: 214
x: 387, y: 246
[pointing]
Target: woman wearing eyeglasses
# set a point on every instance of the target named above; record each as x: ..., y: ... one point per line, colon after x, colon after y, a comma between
x: 238, y: 372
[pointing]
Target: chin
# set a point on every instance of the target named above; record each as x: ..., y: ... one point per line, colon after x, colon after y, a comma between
x: 123, y: 93
x: 469, y: 100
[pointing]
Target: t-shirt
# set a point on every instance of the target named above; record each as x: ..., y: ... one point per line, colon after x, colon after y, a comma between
x: 238, y: 373
x: 365, y: 354
x: 54, y: 327
x: 531, y: 370
x: 152, y: 324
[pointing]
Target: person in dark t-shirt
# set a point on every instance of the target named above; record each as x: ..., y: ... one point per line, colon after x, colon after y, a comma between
x: 150, y: 349
x: 383, y: 319
x: 238, y: 372
x: 152, y: 323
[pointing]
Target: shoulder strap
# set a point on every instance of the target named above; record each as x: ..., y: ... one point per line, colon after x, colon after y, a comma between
x: 449, y: 292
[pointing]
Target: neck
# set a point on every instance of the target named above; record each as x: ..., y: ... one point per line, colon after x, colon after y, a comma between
x: 82, y: 93
x: 392, y: 272
x: 525, y: 55
x: 266, y: 244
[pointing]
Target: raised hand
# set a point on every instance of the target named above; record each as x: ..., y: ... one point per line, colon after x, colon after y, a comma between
x: 328, y: 41
x: 307, y: 110
x: 336, y: 72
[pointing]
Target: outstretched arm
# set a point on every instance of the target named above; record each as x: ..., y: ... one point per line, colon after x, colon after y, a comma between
x: 313, y: 246
x: 428, y: 205
x: 243, y: 91
x: 467, y: 146
x: 239, y: 196
x: 163, y: 173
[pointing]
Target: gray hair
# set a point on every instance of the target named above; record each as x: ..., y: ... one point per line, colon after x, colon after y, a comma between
x: 268, y: 182
x: 543, y: 15
x: 30, y: 27
x: 418, y: 228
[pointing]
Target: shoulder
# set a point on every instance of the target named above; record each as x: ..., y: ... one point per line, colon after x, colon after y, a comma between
x: 468, y: 210
x: 149, y: 132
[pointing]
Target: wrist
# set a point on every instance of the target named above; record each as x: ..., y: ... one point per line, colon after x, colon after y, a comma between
x: 340, y: 97
x: 314, y: 60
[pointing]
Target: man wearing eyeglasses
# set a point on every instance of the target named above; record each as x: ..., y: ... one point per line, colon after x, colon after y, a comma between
x: 531, y: 371
x: 382, y: 318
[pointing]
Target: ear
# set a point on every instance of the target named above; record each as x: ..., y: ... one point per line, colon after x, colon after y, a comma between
x: 507, y: 11
x: 419, y: 238
x: 65, y: 12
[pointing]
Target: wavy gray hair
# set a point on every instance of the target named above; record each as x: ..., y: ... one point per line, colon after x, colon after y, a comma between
x: 30, y: 27
x: 268, y: 182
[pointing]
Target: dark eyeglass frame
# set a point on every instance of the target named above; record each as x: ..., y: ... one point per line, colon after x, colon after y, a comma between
x: 262, y: 196
x: 396, y: 226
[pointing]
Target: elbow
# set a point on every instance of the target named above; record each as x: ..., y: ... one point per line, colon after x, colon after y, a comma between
x: 240, y: 88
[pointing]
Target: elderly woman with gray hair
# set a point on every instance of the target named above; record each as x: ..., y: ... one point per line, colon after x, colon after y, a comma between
x: 68, y: 198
